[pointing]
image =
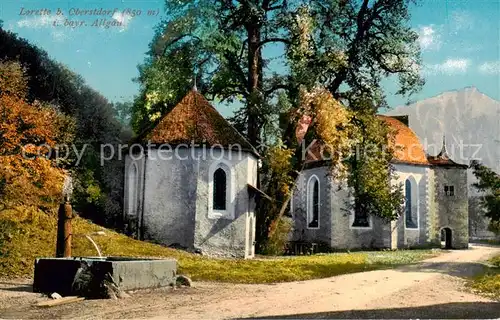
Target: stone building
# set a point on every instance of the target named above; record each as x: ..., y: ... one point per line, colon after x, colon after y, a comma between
x: 436, y: 202
x: 194, y: 186
x: 190, y: 182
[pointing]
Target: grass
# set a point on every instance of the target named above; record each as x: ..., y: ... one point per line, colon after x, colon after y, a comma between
x: 26, y: 234
x: 488, y: 283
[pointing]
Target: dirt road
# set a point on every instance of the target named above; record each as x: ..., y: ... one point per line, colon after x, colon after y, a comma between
x: 430, y: 289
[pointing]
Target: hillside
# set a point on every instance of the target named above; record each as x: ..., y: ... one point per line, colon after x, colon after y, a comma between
x: 26, y: 234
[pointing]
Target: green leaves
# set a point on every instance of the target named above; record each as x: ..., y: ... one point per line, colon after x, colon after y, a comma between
x: 370, y: 169
x: 489, y: 183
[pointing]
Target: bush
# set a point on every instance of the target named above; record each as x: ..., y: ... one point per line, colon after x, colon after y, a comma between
x: 275, y: 245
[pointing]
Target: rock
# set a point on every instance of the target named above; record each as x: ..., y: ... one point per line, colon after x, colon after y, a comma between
x: 122, y: 294
x: 111, y: 294
x: 113, y: 290
x: 55, y: 295
x: 182, y: 280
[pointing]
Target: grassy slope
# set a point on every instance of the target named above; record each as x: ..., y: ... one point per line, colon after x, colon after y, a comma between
x: 30, y: 234
x: 489, y: 282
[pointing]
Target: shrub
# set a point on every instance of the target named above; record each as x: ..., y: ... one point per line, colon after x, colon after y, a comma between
x: 275, y: 245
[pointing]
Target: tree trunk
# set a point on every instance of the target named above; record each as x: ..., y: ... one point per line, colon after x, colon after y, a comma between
x: 254, y: 83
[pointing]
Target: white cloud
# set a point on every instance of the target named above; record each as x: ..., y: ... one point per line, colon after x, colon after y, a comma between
x: 40, y: 21
x: 429, y: 37
x: 123, y: 18
x: 449, y: 67
x: 490, y: 67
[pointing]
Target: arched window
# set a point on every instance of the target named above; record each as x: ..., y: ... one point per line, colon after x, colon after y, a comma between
x: 313, y: 203
x: 132, y: 189
x: 410, y: 207
x: 219, y: 189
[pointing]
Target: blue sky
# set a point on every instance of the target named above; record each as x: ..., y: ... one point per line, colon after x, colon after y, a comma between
x: 460, y: 41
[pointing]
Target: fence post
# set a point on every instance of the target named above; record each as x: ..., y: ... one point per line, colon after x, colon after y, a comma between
x: 64, y: 230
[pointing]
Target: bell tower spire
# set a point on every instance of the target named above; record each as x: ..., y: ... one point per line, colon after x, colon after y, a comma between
x: 444, y: 152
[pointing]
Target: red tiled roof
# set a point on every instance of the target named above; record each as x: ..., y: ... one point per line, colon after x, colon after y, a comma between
x: 442, y: 159
x: 195, y: 120
x: 408, y: 148
x: 406, y: 144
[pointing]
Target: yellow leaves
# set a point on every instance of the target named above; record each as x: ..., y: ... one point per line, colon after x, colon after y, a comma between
x: 279, y: 160
x: 33, y: 182
x: 13, y: 80
x: 333, y: 125
x: 155, y: 116
x: 23, y: 128
x: 152, y: 98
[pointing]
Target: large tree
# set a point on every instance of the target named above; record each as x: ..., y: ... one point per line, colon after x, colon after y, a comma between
x: 349, y: 46
x: 253, y: 50
x: 95, y: 124
x: 29, y: 174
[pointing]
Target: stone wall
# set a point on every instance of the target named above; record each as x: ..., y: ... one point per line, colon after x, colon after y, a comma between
x: 452, y: 211
x: 133, y: 193
x: 176, y: 201
x: 227, y: 236
x: 301, y: 231
x: 336, y: 219
x: 415, y: 235
x: 170, y: 198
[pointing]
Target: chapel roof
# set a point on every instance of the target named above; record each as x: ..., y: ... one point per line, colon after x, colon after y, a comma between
x: 195, y: 120
x: 408, y: 148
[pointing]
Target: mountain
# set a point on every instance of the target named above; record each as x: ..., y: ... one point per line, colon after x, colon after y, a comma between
x: 470, y: 122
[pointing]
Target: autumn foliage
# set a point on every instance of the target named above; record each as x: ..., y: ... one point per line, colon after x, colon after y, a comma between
x: 28, y: 131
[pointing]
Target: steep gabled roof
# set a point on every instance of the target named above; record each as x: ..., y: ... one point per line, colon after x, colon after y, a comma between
x: 195, y: 120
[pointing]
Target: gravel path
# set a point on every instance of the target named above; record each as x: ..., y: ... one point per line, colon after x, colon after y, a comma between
x: 433, y: 288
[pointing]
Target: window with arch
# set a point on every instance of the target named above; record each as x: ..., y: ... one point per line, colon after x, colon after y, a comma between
x: 313, y: 203
x: 220, y: 189
x: 410, y: 206
x: 132, y: 189
x: 220, y: 198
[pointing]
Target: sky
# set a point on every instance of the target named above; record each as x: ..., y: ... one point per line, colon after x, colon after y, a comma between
x: 460, y: 42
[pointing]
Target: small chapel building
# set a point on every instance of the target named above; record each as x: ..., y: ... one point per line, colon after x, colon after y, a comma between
x: 194, y: 187
x: 436, y: 202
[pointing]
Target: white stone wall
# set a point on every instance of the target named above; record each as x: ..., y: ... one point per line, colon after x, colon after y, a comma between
x: 176, y: 201
x: 301, y: 231
x: 405, y: 236
x: 221, y: 236
x: 452, y: 211
x: 336, y: 219
x: 133, y: 192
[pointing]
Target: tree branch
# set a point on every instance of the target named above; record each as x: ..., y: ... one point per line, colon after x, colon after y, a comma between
x: 276, y: 87
x: 177, y: 39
